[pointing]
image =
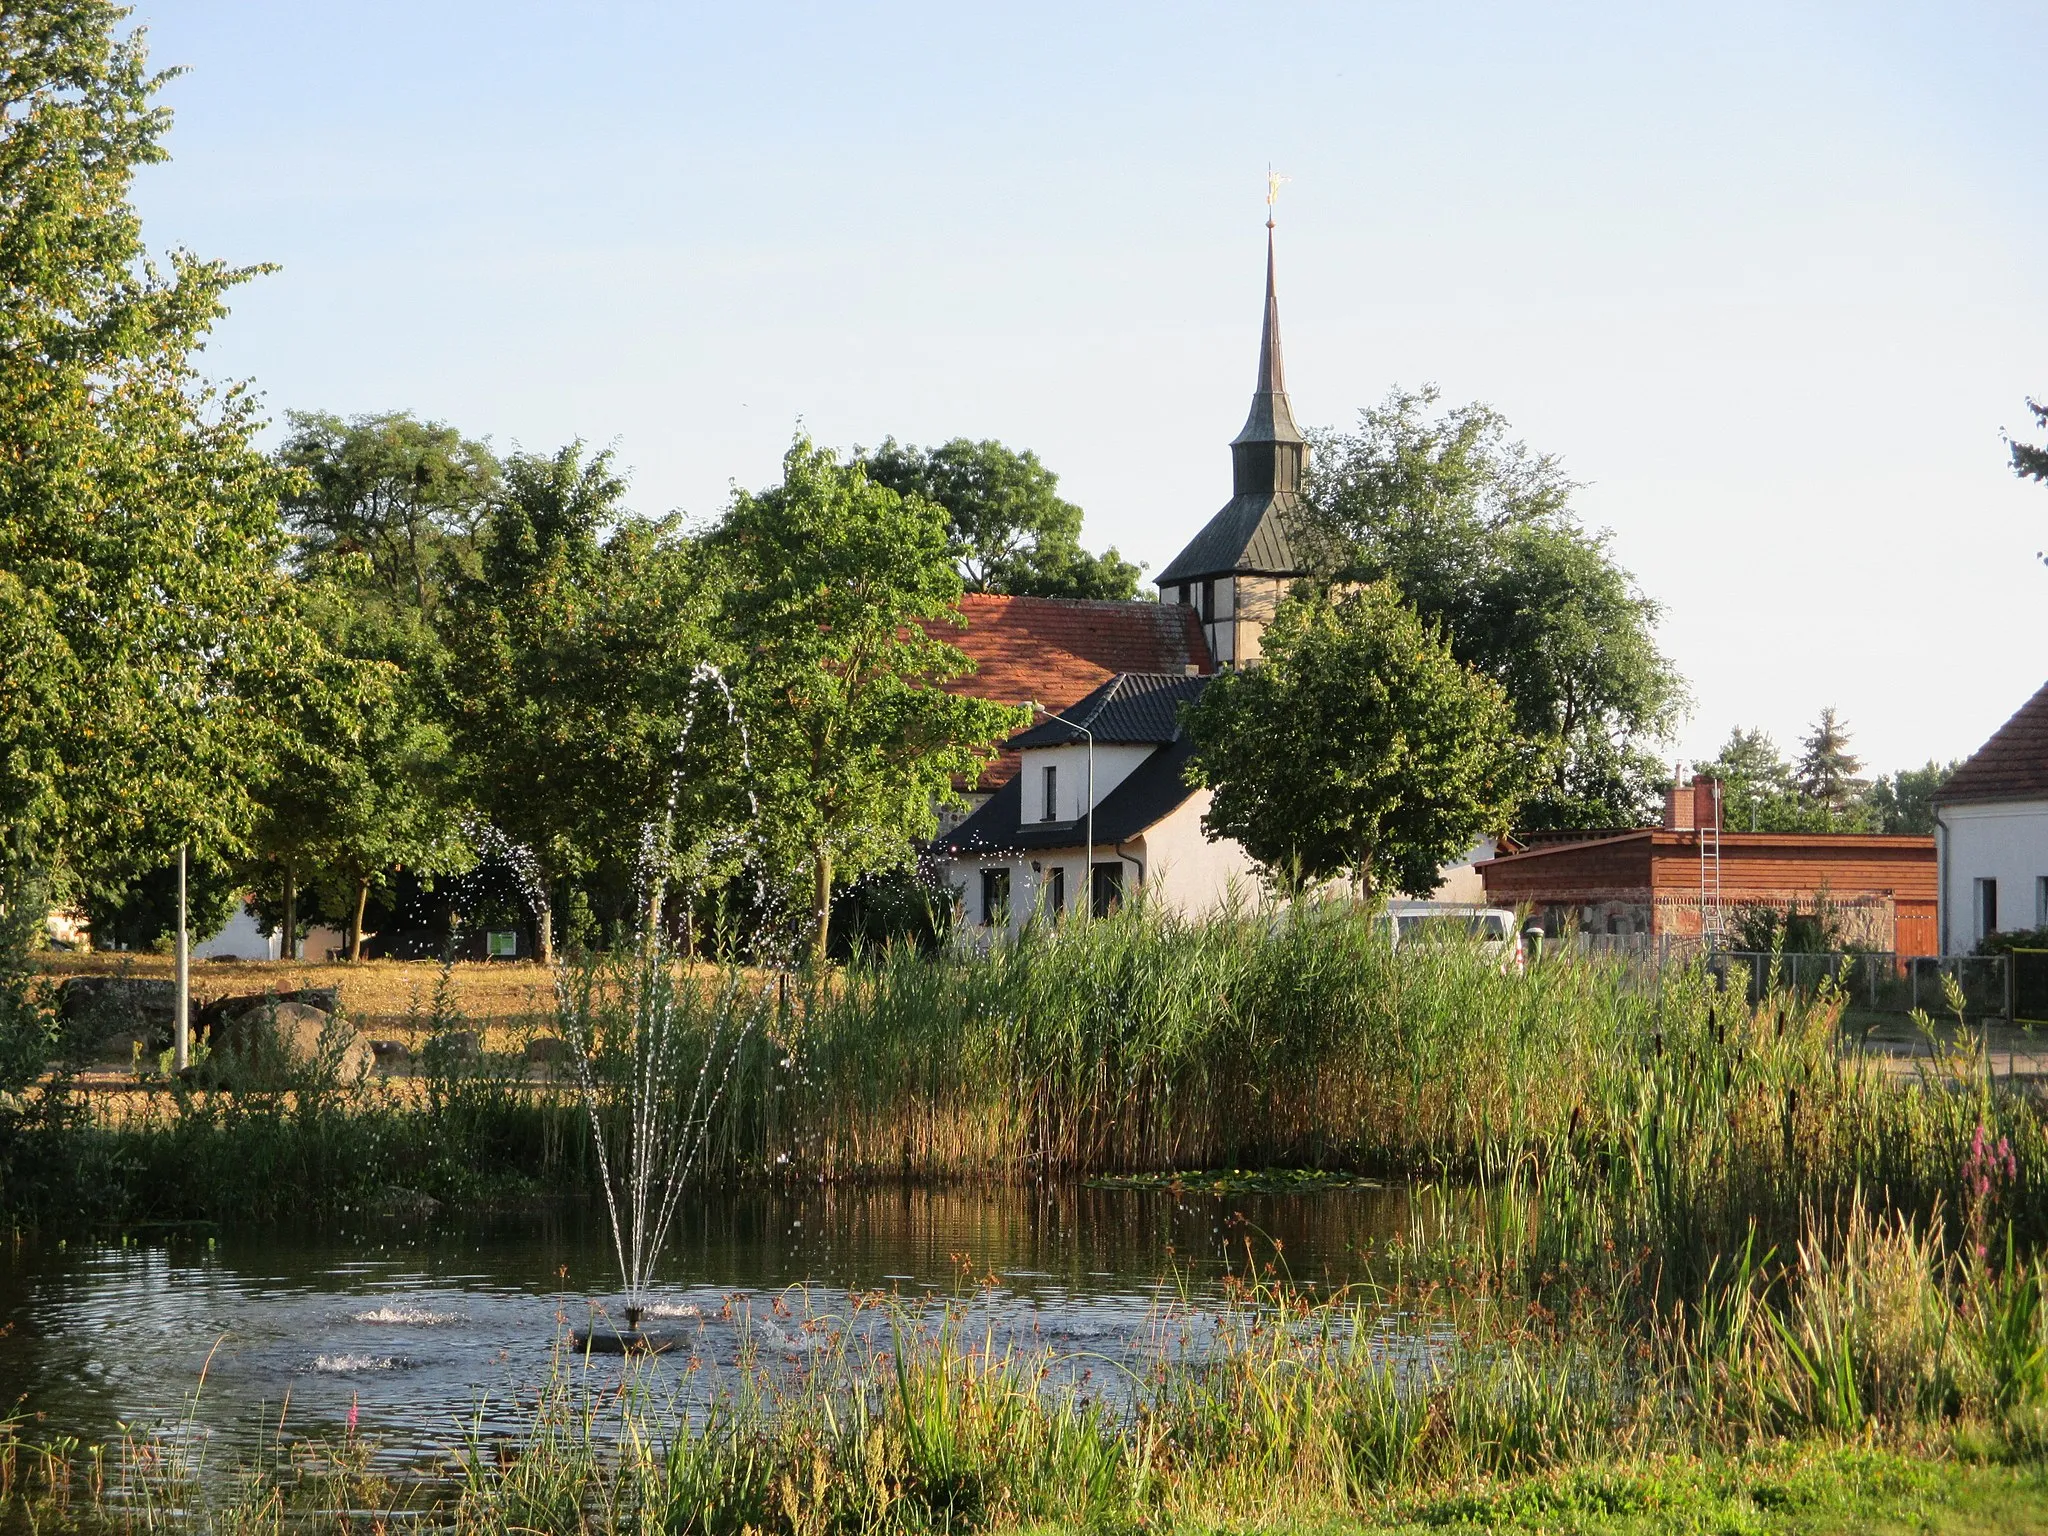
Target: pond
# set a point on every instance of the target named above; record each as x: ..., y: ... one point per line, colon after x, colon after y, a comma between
x: 430, y: 1331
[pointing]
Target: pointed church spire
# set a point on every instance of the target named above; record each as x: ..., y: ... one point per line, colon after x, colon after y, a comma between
x: 1267, y: 453
x: 1272, y: 371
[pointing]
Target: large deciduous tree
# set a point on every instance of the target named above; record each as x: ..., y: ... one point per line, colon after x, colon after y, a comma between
x: 401, y: 501
x: 575, y: 669
x: 1478, y: 534
x: 1360, y: 744
x: 145, y: 619
x: 1012, y: 532
x: 854, y: 744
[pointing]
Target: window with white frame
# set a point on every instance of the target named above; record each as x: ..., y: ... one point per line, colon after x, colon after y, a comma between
x: 2041, y: 901
x: 1052, y: 793
x: 1986, y: 893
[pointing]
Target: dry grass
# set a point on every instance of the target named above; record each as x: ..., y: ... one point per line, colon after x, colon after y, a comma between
x: 378, y: 992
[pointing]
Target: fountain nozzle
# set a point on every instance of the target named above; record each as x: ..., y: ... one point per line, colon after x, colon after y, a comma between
x: 633, y: 1316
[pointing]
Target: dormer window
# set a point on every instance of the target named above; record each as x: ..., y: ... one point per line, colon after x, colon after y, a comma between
x: 1052, y: 794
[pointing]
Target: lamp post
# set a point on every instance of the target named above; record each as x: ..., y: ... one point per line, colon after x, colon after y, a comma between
x: 1087, y: 874
x: 181, y: 1018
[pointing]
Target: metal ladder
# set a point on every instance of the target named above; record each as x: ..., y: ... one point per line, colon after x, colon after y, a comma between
x: 1712, y: 928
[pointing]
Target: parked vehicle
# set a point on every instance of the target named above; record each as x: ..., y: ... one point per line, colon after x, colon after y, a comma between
x: 1421, y: 922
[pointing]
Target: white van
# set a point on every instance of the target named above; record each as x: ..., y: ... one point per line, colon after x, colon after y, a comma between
x: 1413, y: 922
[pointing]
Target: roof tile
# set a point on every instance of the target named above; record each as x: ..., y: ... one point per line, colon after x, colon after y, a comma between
x: 1055, y: 651
x: 2012, y: 765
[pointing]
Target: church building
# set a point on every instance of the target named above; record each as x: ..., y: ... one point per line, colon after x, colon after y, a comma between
x: 1236, y: 570
x: 1091, y: 802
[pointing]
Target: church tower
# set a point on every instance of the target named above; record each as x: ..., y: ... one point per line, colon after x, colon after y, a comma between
x: 1234, y: 572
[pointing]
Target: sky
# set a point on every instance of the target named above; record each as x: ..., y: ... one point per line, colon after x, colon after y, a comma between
x: 1770, y: 279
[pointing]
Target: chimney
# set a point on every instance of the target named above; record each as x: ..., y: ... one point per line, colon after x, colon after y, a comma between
x: 1678, y: 807
x: 1706, y: 802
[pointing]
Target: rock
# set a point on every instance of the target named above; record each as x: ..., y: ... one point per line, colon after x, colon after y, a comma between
x: 326, y: 999
x: 546, y: 1050
x: 113, y: 1002
x: 274, y: 1042
x: 392, y: 1055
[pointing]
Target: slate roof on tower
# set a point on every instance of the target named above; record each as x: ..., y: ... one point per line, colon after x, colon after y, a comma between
x: 1266, y: 458
x: 2012, y: 765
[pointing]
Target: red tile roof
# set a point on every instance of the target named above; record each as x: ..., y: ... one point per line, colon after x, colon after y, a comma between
x: 2012, y: 765
x: 1055, y: 651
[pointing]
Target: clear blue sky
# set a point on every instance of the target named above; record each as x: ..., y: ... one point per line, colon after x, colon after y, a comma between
x: 1770, y: 278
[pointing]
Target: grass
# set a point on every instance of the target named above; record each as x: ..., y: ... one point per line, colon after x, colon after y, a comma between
x: 1302, y: 1417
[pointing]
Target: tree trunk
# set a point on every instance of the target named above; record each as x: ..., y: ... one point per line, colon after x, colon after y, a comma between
x: 654, y: 905
x: 288, y: 948
x: 544, y: 921
x: 355, y: 925
x: 821, y: 905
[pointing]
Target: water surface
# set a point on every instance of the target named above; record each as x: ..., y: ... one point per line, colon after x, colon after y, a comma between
x: 430, y: 1331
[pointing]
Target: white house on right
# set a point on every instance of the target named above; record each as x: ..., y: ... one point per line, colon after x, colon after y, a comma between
x: 1991, y: 834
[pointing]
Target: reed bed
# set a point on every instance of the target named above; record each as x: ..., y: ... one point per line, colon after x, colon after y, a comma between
x: 1666, y: 1114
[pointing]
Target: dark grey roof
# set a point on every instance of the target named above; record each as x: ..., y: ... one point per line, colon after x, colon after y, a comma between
x: 1271, y: 419
x: 1249, y: 535
x: 1130, y: 707
x: 1151, y: 792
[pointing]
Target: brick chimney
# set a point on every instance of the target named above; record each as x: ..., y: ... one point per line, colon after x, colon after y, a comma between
x: 1706, y: 807
x: 1678, y: 808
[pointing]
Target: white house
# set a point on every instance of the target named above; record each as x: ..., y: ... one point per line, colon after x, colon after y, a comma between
x: 1034, y: 850
x: 1991, y: 834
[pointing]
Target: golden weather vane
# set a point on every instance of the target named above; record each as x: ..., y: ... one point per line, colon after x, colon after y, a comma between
x: 1274, y: 182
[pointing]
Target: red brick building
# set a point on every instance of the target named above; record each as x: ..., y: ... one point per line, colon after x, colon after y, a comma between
x: 1657, y: 883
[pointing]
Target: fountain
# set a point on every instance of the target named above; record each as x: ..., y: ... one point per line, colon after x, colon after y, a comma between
x: 671, y: 1093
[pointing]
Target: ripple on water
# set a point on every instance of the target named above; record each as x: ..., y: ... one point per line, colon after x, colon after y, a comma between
x: 408, y: 1317
x: 349, y: 1365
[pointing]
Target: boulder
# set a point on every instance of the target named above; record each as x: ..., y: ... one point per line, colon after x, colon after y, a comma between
x: 546, y: 1050
x: 326, y: 999
x: 392, y: 1055
x: 100, y: 1006
x: 278, y: 1041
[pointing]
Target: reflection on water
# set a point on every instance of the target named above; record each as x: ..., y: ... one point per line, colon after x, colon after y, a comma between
x: 431, y: 1333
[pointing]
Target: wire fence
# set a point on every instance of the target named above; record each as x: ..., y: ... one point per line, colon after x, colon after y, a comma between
x: 2010, y: 986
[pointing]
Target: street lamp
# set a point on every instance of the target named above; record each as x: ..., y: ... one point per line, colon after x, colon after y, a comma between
x: 1088, y: 873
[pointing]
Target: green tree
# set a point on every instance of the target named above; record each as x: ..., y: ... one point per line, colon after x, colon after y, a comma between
x: 854, y: 743
x: 362, y: 786
x: 1903, y: 802
x: 1360, y: 744
x: 148, y: 626
x: 402, y: 500
x: 1758, y: 791
x: 1011, y: 530
x: 1827, y: 769
x: 1478, y: 534
x: 576, y: 656
x: 2030, y: 460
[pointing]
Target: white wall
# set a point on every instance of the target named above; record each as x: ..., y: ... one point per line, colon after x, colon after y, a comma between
x: 1113, y: 764
x: 2006, y: 842
x: 1187, y: 872
x: 241, y: 939
x: 1461, y: 882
